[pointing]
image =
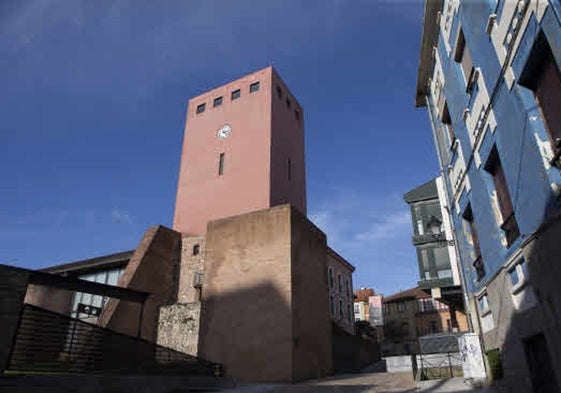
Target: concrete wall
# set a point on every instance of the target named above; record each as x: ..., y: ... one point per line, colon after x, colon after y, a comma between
x: 53, y: 299
x: 311, y: 327
x: 153, y: 268
x: 246, y: 315
x: 13, y: 285
x: 287, y: 143
x: 264, y: 313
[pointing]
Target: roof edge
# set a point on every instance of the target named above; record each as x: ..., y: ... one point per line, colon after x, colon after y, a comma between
x: 428, y: 41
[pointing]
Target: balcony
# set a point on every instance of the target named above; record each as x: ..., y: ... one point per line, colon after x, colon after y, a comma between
x: 429, y: 238
x: 435, y: 282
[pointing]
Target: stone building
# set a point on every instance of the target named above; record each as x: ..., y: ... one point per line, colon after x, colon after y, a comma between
x: 243, y: 279
x: 489, y: 77
x: 412, y: 313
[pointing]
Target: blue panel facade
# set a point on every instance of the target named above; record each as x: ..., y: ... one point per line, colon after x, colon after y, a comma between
x: 519, y: 129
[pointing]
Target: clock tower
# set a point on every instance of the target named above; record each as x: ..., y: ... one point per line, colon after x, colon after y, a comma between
x: 243, y: 150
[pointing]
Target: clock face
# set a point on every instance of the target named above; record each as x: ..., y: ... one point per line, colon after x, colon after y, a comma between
x: 224, y: 132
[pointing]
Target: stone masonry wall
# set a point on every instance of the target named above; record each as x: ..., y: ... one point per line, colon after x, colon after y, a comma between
x: 179, y: 327
x: 191, y: 263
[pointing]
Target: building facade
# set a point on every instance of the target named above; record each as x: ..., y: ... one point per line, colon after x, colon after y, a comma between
x: 368, y: 308
x: 243, y: 150
x: 434, y: 242
x: 489, y: 78
x: 411, y: 314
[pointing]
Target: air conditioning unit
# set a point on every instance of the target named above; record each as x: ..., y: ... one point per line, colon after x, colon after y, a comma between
x: 490, y: 23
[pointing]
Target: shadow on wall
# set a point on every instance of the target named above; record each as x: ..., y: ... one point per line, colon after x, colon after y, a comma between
x: 254, y: 333
x: 524, y: 354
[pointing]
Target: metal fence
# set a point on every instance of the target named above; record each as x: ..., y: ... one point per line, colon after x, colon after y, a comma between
x: 48, y: 342
x: 439, y: 357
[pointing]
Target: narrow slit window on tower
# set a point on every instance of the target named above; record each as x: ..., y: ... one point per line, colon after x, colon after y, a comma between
x: 201, y: 108
x: 221, y: 165
x: 196, y: 249
x: 236, y: 94
x: 297, y: 115
x: 289, y: 170
x: 254, y: 87
x: 279, y: 92
x: 288, y: 103
x: 218, y: 101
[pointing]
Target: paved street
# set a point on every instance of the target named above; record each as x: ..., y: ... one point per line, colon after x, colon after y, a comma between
x: 349, y: 383
x: 363, y: 383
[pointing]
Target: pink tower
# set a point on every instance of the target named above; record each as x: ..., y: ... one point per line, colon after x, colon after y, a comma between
x: 243, y: 150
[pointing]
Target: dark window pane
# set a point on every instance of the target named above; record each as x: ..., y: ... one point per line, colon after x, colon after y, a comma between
x: 236, y: 94
x: 221, y: 164
x: 218, y: 101
x: 254, y: 87
x: 279, y: 92
x: 201, y: 108
x: 196, y: 249
x: 288, y: 102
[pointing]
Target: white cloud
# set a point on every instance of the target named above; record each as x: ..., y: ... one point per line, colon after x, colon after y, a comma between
x: 390, y: 227
x: 121, y: 217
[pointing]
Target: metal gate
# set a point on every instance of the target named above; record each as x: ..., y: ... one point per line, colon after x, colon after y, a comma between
x: 439, y: 356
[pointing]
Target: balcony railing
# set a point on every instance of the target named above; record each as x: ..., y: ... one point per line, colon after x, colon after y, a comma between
x: 428, y: 238
x: 436, y: 283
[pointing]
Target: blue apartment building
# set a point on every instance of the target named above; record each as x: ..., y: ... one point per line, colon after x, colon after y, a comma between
x: 489, y: 77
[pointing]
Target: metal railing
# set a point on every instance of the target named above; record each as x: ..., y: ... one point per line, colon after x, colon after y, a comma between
x: 48, y: 342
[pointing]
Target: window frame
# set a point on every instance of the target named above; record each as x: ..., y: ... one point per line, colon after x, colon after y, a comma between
x: 236, y: 94
x: 200, y: 108
x: 254, y: 87
x: 217, y: 102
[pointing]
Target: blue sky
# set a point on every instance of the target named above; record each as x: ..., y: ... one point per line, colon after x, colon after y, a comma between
x: 92, y: 107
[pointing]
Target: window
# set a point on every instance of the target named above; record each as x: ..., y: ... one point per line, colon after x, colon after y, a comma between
x: 400, y: 307
x: 288, y: 103
x: 330, y: 273
x: 478, y: 262
x: 340, y: 309
x: 463, y: 57
x: 447, y: 124
x: 196, y: 249
x: 347, y: 288
x: 201, y: 108
x: 279, y: 92
x: 297, y: 115
x: 236, y: 94
x: 542, y: 76
x: 254, y: 87
x: 509, y: 224
x: 331, y: 306
x: 289, y: 170
x: 484, y: 304
x: 420, y: 227
x: 357, y: 308
x: 518, y: 274
x: 218, y: 101
x: 340, y: 282
x: 87, y: 305
x: 221, y: 165
x: 349, y: 314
